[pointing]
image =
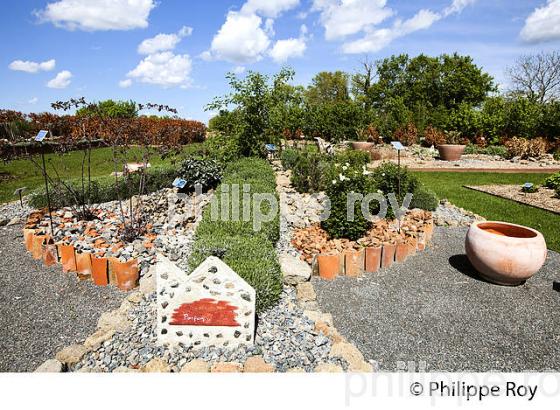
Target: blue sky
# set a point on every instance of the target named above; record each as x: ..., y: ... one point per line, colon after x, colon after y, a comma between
x: 100, y: 50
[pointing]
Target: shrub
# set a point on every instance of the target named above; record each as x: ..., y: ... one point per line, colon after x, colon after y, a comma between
x: 553, y: 181
x: 103, y: 189
x: 206, y: 172
x: 252, y: 258
x: 222, y: 148
x: 308, y: 172
x: 343, y: 180
x: 433, y: 136
x: 556, y: 154
x: 289, y: 158
x: 354, y: 158
x: 248, y: 252
x: 424, y: 198
x: 523, y: 148
x: 408, y: 134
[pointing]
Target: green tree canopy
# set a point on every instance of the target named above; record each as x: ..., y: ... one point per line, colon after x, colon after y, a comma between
x: 110, y: 109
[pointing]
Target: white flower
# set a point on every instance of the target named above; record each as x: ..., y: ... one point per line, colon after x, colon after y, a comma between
x: 347, y: 164
x: 383, y: 174
x: 345, y: 167
x: 366, y: 172
x: 341, y: 177
x: 334, y: 181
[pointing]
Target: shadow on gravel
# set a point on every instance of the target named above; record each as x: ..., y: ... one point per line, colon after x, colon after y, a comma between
x: 463, y: 265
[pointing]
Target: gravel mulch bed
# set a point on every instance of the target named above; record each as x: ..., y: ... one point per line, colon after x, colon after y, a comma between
x: 42, y: 309
x: 544, y: 198
x: 433, y: 310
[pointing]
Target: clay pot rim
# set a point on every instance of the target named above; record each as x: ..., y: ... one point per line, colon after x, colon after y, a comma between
x: 451, y: 145
x: 538, y: 235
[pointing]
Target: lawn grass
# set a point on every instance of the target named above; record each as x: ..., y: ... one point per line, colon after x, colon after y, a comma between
x: 23, y: 173
x: 450, y: 185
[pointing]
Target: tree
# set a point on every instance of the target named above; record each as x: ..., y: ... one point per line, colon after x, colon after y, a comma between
x: 253, y: 97
x: 361, y: 84
x: 328, y: 87
x: 537, y: 76
x: 110, y: 109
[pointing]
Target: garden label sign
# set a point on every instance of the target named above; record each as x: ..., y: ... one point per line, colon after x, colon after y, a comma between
x: 213, y: 306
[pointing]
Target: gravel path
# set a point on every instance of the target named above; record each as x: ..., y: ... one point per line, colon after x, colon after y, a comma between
x: 432, y: 310
x: 42, y: 309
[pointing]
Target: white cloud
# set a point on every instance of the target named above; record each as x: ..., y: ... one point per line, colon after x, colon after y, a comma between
x: 163, y: 42
x: 95, y: 15
x: 543, y: 24
x: 62, y: 80
x: 289, y: 48
x: 238, y: 69
x: 240, y: 40
x: 33, y: 101
x: 345, y: 17
x: 31, y: 66
x: 375, y: 39
x: 268, y: 8
x: 125, y: 83
x: 165, y: 69
x: 285, y: 49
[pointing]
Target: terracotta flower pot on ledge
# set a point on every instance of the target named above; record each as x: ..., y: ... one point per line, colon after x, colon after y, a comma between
x: 28, y: 235
x: 388, y: 255
x: 125, y: 273
x: 451, y: 152
x: 354, y: 263
x: 99, y: 271
x: 83, y: 265
x: 373, y: 259
x: 329, y: 266
x: 504, y: 253
x: 67, y: 258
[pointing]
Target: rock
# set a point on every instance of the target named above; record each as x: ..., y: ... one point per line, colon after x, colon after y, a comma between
x: 306, y: 292
x: 14, y: 221
x: 196, y: 366
x: 135, y: 297
x: 124, y: 369
x: 256, y: 364
x: 329, y: 331
x: 148, y: 282
x: 318, y: 316
x: 115, y: 320
x: 71, y: 354
x: 226, y: 367
x: 125, y: 306
x: 283, y: 180
x: 156, y: 366
x: 100, y: 336
x: 352, y: 355
x: 294, y: 270
x: 50, y: 366
x: 328, y: 368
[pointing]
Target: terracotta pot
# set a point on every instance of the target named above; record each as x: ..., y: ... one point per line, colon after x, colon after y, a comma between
x: 329, y: 266
x: 388, y: 255
x: 125, y: 273
x: 354, y: 263
x: 428, y: 231
x: 373, y: 259
x: 99, y: 270
x: 67, y: 257
x: 504, y: 253
x: 412, y: 243
x: 83, y: 265
x: 37, y: 251
x: 451, y: 152
x: 28, y: 235
x: 401, y: 253
x: 421, y: 241
x: 362, y: 145
x: 50, y: 254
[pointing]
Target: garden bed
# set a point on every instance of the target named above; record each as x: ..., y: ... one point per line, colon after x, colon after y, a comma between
x: 544, y: 198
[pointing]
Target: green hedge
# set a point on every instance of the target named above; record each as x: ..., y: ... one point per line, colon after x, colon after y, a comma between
x: 248, y: 252
x: 103, y: 189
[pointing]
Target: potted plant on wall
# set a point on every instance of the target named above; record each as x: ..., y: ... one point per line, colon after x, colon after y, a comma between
x: 366, y: 138
x: 452, y: 150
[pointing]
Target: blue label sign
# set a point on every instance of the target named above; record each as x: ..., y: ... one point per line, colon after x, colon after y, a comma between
x: 179, y: 183
x: 397, y: 145
x: 41, y: 135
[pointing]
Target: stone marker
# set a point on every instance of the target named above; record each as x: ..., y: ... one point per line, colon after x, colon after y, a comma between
x: 213, y: 306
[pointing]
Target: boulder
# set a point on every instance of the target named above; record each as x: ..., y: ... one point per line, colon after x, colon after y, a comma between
x: 71, y: 354
x: 156, y: 366
x: 50, y: 366
x: 256, y: 364
x: 115, y: 320
x: 100, y: 336
x: 196, y: 366
x: 306, y: 292
x: 352, y: 355
x: 294, y: 270
x: 226, y: 367
x: 328, y: 368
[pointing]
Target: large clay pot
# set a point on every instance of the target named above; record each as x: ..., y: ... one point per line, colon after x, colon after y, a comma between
x: 362, y: 145
x: 504, y: 253
x: 451, y: 152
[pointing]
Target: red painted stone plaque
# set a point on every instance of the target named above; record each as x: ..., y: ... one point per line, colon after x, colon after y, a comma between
x: 205, y: 312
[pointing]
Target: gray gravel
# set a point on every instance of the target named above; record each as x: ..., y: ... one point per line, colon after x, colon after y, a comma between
x: 435, y: 312
x: 42, y: 309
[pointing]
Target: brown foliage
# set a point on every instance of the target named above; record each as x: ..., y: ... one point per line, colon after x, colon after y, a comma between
x: 408, y: 134
x: 524, y: 148
x: 433, y: 136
